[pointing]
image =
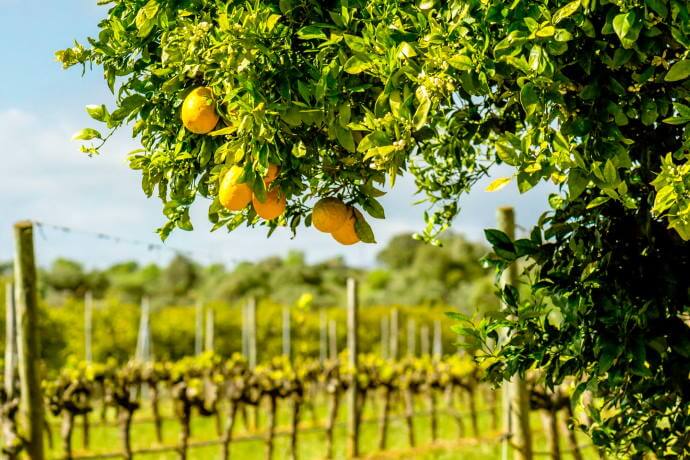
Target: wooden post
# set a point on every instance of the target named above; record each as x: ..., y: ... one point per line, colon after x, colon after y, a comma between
x: 88, y: 326
x: 26, y: 303
x: 424, y: 339
x: 411, y: 337
x: 323, y: 337
x: 210, y: 334
x: 393, y: 349
x: 286, y: 332
x: 10, y: 341
x: 332, y: 339
x: 438, y: 340
x: 385, y: 339
x: 515, y: 396
x: 352, y: 351
x: 251, y: 332
x: 143, y: 353
x: 198, y: 327
x: 245, y: 335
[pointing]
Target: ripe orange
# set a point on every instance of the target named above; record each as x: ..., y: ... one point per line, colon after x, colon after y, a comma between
x: 329, y: 214
x: 199, y: 111
x: 347, y: 234
x: 233, y: 195
x: 272, y: 207
x: 271, y: 174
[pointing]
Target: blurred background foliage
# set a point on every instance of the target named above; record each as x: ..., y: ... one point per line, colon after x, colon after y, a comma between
x: 421, y: 280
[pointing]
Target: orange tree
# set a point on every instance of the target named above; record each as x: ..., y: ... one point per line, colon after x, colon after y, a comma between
x: 342, y: 96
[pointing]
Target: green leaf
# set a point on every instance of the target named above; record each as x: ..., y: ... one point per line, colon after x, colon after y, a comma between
x: 97, y: 112
x: 499, y: 240
x: 345, y: 138
x: 607, y: 356
x: 598, y: 201
x: 87, y: 134
x: 223, y: 131
x: 374, y: 208
x: 461, y: 62
x: 146, y: 18
x: 357, y: 64
x: 498, y: 184
x: 311, y: 32
x: 659, y: 7
x: 565, y: 11
x: 420, y: 116
x: 627, y: 26
x: 529, y: 98
x: 363, y: 230
x: 679, y: 71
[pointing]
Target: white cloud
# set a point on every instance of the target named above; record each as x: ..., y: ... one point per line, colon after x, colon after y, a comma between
x: 45, y: 178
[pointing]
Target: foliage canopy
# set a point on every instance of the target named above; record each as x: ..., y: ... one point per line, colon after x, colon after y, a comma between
x: 591, y: 95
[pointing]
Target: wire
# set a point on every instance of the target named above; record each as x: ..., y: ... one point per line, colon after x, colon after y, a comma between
x: 150, y: 246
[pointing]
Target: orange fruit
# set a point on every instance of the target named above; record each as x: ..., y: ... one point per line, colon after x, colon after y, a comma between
x: 329, y: 214
x: 233, y: 195
x: 272, y: 207
x: 271, y: 174
x: 347, y: 234
x: 199, y: 111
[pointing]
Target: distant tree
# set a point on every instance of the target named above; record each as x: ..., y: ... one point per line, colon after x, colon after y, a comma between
x: 66, y: 276
x: 179, y: 277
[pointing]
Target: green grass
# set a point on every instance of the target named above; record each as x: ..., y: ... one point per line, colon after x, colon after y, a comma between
x: 105, y: 439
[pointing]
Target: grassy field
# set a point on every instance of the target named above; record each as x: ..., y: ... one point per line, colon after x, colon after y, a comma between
x: 105, y: 439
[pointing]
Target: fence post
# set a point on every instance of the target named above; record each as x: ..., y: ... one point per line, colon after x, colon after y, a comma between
x: 88, y: 326
x: 286, y: 332
x: 332, y: 339
x: 251, y: 332
x: 143, y: 352
x: 424, y: 339
x: 385, y: 338
x: 438, y: 340
x: 394, y: 335
x: 515, y: 397
x: 198, y: 327
x: 411, y: 337
x: 245, y: 335
x: 10, y: 341
x: 26, y: 303
x: 352, y: 351
x: 210, y: 334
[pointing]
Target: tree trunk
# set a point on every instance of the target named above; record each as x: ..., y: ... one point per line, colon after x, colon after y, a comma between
x: 472, y: 403
x: 294, y: 427
x: 450, y: 403
x: 433, y: 414
x: 330, y: 424
x: 271, y: 426
x: 550, y: 422
x: 185, y: 430
x: 125, y: 427
x: 495, y: 410
x: 570, y: 434
x: 227, y: 436
x: 409, y: 415
x: 85, y: 430
x: 104, y: 403
x: 155, y: 411
x: 66, y: 434
x: 383, y: 423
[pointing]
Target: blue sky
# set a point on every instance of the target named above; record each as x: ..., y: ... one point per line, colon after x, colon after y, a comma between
x: 43, y: 176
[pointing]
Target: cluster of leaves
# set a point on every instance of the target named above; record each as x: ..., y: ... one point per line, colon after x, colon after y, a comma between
x: 591, y: 95
x: 339, y: 96
x: 201, y: 381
